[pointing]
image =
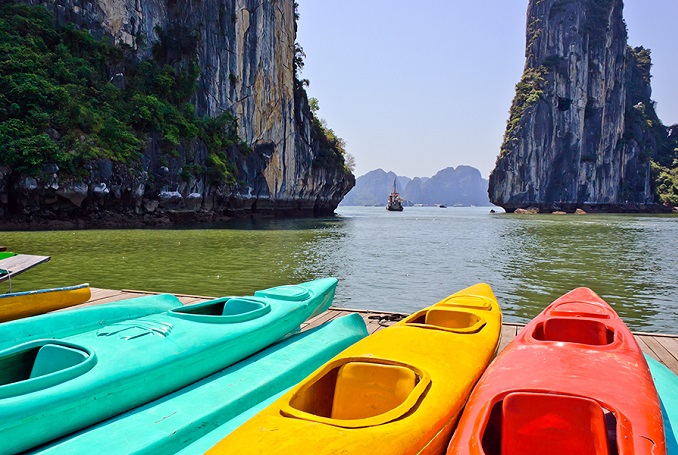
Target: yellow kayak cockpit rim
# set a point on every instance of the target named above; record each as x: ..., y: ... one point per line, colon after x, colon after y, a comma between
x: 448, y: 319
x: 358, y: 392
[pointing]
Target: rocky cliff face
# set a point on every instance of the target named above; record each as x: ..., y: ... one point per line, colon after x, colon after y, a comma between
x: 245, y: 50
x: 569, y: 141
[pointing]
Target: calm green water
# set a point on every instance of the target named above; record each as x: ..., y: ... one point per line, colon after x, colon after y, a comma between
x: 384, y: 260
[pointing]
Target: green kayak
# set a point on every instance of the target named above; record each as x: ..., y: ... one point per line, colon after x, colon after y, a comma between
x: 211, y: 406
x: 52, y: 387
x: 78, y: 320
x: 667, y: 388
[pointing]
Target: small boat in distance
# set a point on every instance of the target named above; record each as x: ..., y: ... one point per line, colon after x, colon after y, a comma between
x: 395, y: 202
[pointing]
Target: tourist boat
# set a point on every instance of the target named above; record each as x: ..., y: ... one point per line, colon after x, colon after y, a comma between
x: 398, y: 391
x: 574, y: 381
x: 395, y: 202
x: 198, y: 416
x: 52, y: 387
x: 62, y: 324
x: 667, y: 388
x: 17, y: 305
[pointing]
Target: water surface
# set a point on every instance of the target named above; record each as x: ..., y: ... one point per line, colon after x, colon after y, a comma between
x: 397, y: 261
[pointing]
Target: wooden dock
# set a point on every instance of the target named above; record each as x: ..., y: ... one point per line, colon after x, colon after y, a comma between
x: 19, y: 263
x: 663, y: 348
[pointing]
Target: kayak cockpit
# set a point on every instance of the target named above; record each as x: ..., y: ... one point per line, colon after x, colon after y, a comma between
x: 358, y: 392
x: 574, y: 330
x: 224, y: 310
x: 531, y: 423
x: 447, y: 319
x: 37, y: 365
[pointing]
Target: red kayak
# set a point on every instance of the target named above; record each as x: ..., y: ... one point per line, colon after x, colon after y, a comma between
x: 573, y: 382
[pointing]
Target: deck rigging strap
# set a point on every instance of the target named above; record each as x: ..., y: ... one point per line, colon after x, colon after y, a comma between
x: 383, y: 319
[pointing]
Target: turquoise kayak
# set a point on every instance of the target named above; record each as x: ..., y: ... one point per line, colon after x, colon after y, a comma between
x: 67, y: 323
x: 667, y: 387
x: 52, y: 387
x: 213, y: 405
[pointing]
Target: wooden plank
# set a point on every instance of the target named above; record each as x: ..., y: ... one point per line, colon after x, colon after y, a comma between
x: 646, y: 349
x: 135, y: 291
x: 19, y: 264
x: 100, y: 295
x: 670, y: 344
x: 664, y: 355
x: 312, y: 320
x: 378, y: 321
x: 321, y: 319
x: 117, y: 298
x: 191, y: 300
x: 351, y: 310
x: 372, y: 325
x: 508, y: 333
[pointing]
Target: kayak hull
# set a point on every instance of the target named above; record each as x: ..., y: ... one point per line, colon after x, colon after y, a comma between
x: 78, y: 320
x: 573, y: 381
x: 667, y: 388
x: 398, y: 391
x: 54, y: 387
x: 209, y: 408
x: 29, y: 303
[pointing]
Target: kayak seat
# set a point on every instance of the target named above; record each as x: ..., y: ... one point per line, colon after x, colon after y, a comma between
x: 455, y: 320
x: 574, y: 330
x: 539, y: 423
x: 365, y: 389
x: 226, y: 309
x: 52, y: 358
x: 240, y: 306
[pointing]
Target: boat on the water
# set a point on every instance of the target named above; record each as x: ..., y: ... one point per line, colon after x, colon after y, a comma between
x: 667, y: 388
x: 574, y: 381
x: 395, y: 202
x: 52, y: 387
x: 198, y: 416
x: 17, y: 305
x: 398, y: 391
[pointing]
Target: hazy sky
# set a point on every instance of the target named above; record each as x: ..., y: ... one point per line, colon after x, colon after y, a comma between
x: 415, y: 87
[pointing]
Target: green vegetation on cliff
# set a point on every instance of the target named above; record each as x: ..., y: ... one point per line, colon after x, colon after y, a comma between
x: 644, y: 126
x: 67, y: 98
x: 528, y: 91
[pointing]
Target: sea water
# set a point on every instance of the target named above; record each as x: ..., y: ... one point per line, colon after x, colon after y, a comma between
x: 393, y: 261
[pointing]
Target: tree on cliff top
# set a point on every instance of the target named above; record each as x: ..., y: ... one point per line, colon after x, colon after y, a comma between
x: 67, y: 98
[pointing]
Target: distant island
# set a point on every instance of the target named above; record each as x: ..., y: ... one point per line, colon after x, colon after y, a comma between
x: 451, y: 186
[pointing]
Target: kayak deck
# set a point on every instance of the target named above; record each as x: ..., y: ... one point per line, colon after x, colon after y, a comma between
x: 661, y: 347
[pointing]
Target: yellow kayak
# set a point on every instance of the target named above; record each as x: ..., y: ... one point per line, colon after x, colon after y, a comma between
x: 29, y: 303
x: 398, y: 391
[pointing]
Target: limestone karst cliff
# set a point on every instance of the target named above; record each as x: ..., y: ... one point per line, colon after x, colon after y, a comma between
x: 245, y: 51
x: 582, y: 129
